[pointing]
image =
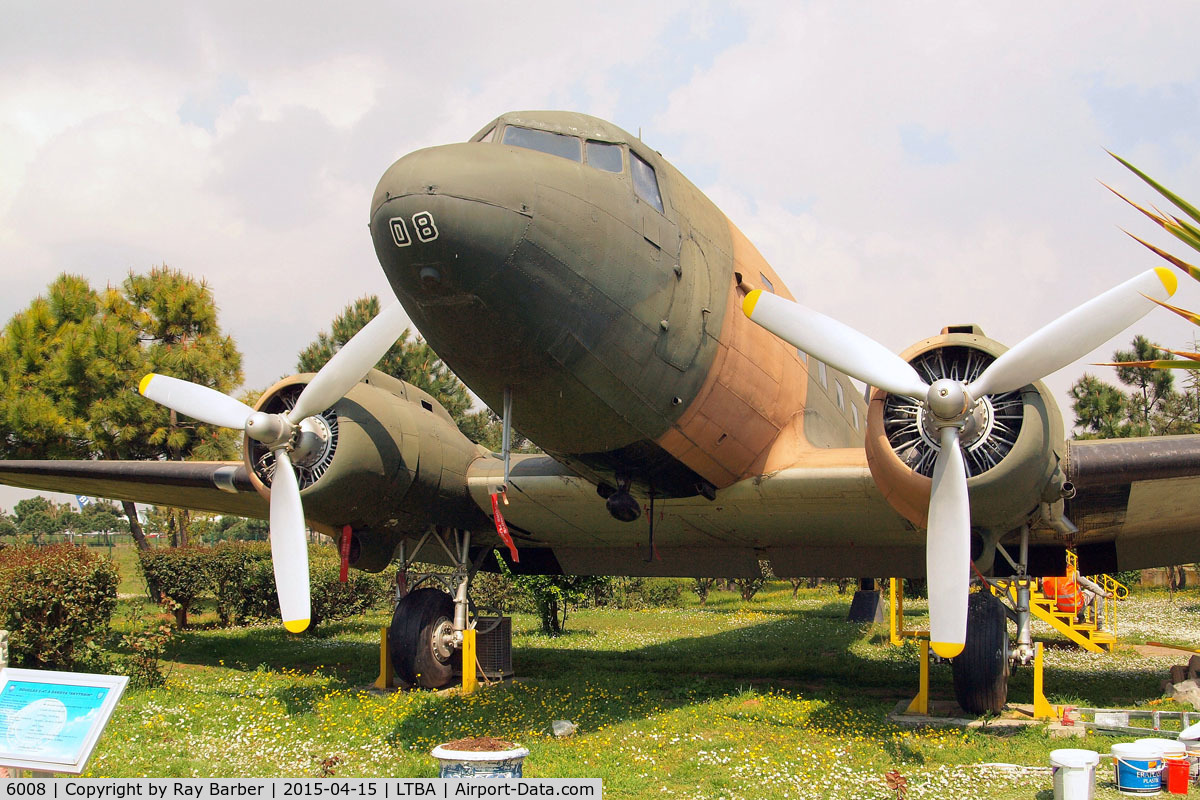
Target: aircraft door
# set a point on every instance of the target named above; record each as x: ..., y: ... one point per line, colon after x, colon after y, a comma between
x: 680, y: 340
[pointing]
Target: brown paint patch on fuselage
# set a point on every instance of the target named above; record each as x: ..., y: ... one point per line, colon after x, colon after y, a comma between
x: 748, y: 417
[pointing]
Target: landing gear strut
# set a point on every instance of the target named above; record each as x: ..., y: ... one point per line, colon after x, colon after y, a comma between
x: 426, y: 635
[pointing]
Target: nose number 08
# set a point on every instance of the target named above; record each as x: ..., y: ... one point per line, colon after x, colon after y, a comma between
x: 423, y: 226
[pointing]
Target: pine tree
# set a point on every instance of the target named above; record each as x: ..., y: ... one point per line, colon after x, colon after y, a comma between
x: 1150, y: 407
x: 70, y: 365
x: 409, y: 359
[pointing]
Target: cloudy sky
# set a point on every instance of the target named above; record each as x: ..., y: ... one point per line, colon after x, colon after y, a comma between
x: 903, y: 165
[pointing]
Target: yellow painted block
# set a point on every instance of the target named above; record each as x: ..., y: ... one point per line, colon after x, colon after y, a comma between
x: 470, y: 680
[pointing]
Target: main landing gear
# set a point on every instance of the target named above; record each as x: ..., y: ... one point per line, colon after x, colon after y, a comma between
x: 426, y: 635
x: 982, y: 670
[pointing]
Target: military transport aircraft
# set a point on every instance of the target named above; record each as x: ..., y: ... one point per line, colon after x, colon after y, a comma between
x: 695, y: 419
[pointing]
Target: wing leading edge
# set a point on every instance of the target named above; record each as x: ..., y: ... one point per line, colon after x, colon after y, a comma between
x: 221, y: 487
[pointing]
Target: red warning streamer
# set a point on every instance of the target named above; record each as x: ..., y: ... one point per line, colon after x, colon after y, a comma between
x: 344, y: 574
x: 502, y: 529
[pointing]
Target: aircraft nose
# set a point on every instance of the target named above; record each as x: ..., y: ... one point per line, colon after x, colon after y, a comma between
x: 446, y: 218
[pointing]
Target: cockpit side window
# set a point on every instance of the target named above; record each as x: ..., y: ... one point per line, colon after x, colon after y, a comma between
x: 490, y: 136
x: 556, y: 144
x: 645, y: 184
x: 603, y: 155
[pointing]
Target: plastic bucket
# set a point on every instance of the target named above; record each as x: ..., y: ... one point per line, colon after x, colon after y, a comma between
x: 1190, y: 737
x: 1074, y: 773
x: 1138, y: 767
x: 1193, y: 751
x: 1168, y: 748
x: 500, y: 764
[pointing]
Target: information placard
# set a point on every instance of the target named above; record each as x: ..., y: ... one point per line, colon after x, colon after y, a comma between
x: 50, y: 721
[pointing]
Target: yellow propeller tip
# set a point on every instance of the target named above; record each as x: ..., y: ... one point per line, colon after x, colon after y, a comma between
x: 947, y: 649
x: 750, y: 301
x: 145, y: 382
x: 1169, y: 281
x: 295, y: 625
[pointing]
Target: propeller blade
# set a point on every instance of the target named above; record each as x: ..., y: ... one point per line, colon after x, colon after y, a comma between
x: 835, y: 343
x: 196, y: 401
x: 948, y: 549
x: 289, y: 551
x: 350, y: 364
x: 1076, y: 333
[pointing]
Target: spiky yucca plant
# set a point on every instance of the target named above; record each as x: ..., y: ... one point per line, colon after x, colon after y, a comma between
x: 1187, y: 232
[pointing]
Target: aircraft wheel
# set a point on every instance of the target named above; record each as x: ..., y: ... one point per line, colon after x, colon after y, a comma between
x: 419, y: 639
x: 981, y: 670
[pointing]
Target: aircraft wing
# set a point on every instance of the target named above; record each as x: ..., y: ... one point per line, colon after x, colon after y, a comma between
x: 825, y: 517
x: 1137, y: 501
x: 221, y: 487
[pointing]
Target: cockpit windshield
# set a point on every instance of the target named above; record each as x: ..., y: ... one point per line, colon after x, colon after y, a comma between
x: 556, y: 144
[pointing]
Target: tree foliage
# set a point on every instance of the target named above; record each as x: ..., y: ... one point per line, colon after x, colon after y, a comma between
x: 410, y: 359
x: 1148, y: 406
x: 71, y: 362
x: 554, y: 595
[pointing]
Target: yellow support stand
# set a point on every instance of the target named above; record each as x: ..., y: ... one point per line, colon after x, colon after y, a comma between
x: 920, y: 703
x: 897, y: 631
x: 387, y: 677
x: 470, y: 679
x: 896, y: 617
x: 1041, y: 707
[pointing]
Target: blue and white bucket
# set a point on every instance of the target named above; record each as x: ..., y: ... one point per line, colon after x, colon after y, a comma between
x: 1138, y: 767
x: 500, y: 764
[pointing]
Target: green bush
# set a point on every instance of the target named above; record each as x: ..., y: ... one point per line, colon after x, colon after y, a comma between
x: 493, y: 590
x: 147, y: 646
x: 242, y: 580
x: 178, y: 574
x: 332, y: 599
x: 56, y: 602
x: 639, y: 593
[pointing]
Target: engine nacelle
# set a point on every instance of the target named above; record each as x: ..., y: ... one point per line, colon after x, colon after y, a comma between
x: 382, y: 460
x: 1011, y: 442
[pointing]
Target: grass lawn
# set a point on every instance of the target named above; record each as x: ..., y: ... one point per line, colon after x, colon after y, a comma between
x: 779, y: 697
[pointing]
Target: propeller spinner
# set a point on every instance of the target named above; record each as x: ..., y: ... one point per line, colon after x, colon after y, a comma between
x: 347, y: 367
x: 949, y: 404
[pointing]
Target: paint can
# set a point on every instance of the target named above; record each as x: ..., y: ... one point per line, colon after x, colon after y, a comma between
x: 1138, y: 768
x: 1190, y: 737
x: 1169, y: 749
x: 1074, y: 773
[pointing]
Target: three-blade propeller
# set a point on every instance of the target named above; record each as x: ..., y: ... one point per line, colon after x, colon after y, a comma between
x: 289, y: 553
x: 949, y: 403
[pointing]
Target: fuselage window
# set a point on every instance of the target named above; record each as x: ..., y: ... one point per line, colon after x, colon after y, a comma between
x: 556, y: 144
x: 803, y: 356
x: 644, y: 182
x: 605, y: 156
x: 841, y: 395
x: 822, y: 375
x: 854, y: 410
x: 767, y: 283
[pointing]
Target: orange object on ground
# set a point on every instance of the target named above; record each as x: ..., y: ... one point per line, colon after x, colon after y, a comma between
x: 1065, y: 593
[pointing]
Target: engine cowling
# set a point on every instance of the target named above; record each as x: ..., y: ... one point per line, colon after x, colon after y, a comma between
x: 384, y: 459
x: 1011, y: 442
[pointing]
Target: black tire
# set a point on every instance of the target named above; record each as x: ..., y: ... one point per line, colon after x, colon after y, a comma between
x: 410, y: 639
x: 981, y: 670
